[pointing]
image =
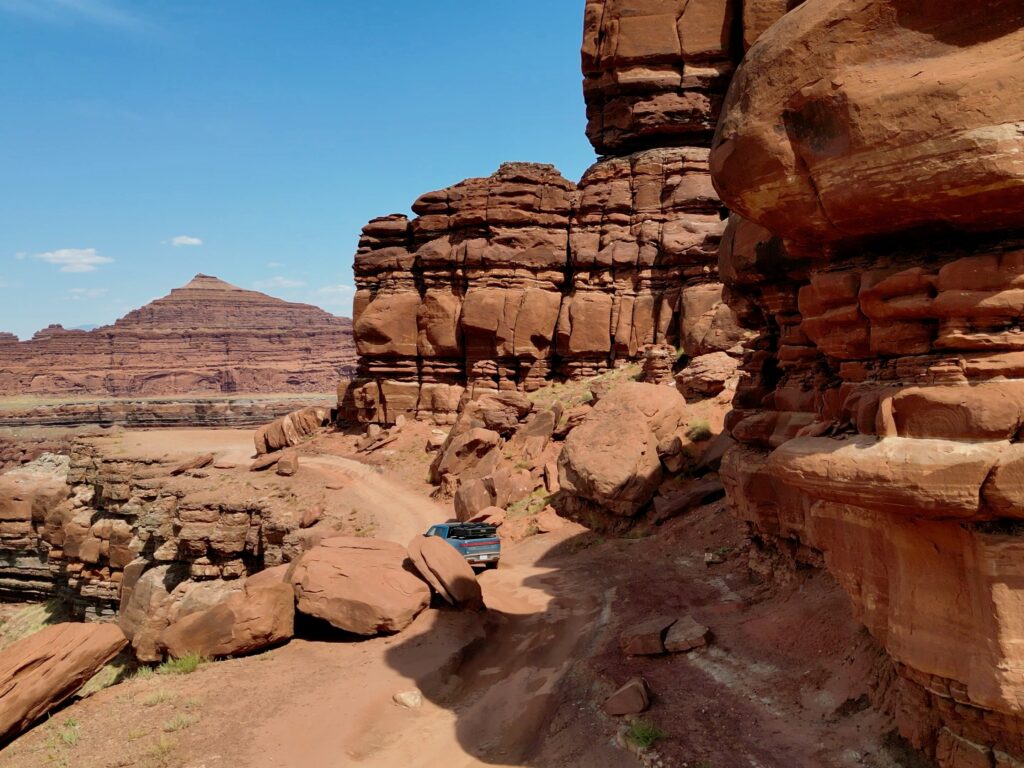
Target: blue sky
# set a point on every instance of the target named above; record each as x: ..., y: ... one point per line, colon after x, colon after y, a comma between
x: 143, y: 142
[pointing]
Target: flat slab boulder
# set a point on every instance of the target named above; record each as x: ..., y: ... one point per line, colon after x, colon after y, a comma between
x: 44, y: 669
x: 258, y: 616
x: 646, y: 638
x: 446, y: 571
x: 359, y: 585
x: 687, y: 634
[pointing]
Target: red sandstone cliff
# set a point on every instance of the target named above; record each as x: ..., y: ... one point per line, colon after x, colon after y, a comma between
x: 207, y: 336
x: 874, y: 148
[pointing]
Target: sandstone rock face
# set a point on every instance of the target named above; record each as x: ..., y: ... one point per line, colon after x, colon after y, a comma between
x: 505, y: 282
x: 611, y: 460
x: 879, y: 418
x: 207, y: 336
x: 446, y: 571
x: 27, y: 496
x: 655, y: 71
x: 958, y: 166
x: 42, y: 670
x: 255, y: 617
x: 359, y: 585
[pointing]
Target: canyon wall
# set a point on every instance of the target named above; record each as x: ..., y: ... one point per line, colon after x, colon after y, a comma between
x: 871, y: 151
x: 506, y: 282
x: 205, y: 337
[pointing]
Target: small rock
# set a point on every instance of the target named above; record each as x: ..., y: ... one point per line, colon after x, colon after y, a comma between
x: 435, y: 443
x: 631, y: 699
x: 685, y: 635
x: 409, y: 699
x: 646, y: 638
x: 399, y: 422
x: 548, y: 520
x: 373, y: 431
x: 311, y: 516
x: 224, y: 465
x: 265, y: 461
x: 713, y: 558
x: 197, y: 463
x: 288, y: 464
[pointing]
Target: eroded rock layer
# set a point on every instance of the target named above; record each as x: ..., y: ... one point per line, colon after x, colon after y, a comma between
x: 882, y: 254
x: 506, y: 282
x: 207, y: 336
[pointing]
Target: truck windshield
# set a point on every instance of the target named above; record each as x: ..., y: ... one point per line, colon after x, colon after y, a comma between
x: 472, y: 532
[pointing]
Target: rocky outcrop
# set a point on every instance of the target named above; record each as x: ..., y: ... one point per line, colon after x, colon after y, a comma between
x: 259, y: 614
x: 291, y: 429
x: 612, y: 462
x: 359, y: 585
x: 506, y: 282
x: 207, y: 336
x: 878, y: 247
x: 44, y: 669
x: 27, y: 496
x: 152, y: 413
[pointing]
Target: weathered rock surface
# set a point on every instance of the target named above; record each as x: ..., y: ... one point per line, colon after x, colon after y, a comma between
x: 28, y: 495
x: 207, y: 336
x: 147, y: 413
x: 291, y: 429
x: 958, y: 165
x: 42, y: 670
x: 631, y: 699
x: 359, y: 585
x: 254, y: 617
x: 611, y: 462
x: 446, y: 571
x: 879, y: 416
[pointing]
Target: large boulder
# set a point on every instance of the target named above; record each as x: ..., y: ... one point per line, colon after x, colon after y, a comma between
x: 611, y: 459
x: 145, y: 606
x: 916, y: 103
x: 446, y: 571
x: 253, y: 617
x: 291, y: 429
x: 359, y: 585
x: 39, y: 672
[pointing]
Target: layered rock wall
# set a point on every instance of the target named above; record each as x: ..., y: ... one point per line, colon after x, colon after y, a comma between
x: 207, y: 336
x: 878, y: 244
x: 506, y: 282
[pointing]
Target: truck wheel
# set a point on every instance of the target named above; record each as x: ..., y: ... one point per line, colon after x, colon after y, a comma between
x: 491, y: 565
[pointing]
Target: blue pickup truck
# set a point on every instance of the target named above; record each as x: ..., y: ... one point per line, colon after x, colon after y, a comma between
x: 477, y: 542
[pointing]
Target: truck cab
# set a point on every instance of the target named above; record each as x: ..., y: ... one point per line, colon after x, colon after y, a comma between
x: 477, y: 542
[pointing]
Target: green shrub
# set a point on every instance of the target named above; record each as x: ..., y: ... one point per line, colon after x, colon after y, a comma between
x: 643, y: 733
x: 699, y: 431
x: 186, y: 665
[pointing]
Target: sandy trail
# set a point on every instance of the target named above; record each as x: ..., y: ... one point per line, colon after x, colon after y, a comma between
x: 397, y: 513
x: 488, y: 680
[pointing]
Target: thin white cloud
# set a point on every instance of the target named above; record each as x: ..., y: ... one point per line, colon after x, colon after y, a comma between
x: 78, y: 294
x: 274, y: 264
x: 279, y: 282
x: 21, y: 255
x: 107, y: 13
x: 334, y: 296
x: 74, y: 259
x: 183, y: 240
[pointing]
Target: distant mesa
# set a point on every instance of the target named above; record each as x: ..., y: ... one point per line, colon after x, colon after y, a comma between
x: 206, y: 337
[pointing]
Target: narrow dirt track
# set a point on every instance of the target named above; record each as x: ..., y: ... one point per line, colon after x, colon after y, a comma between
x: 489, y: 682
